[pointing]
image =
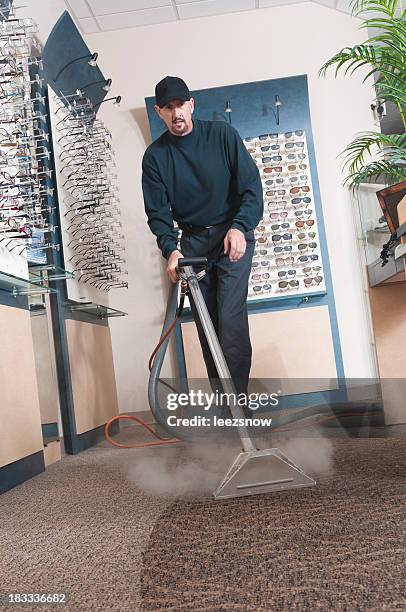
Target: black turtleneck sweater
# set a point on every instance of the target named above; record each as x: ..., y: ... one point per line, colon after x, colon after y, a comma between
x: 204, y: 178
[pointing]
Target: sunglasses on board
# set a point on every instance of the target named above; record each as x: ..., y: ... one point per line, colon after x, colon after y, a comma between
x: 270, y: 169
x: 303, y: 246
x: 262, y: 288
x: 264, y: 137
x: 271, y: 193
x: 278, y: 237
x: 297, y: 156
x: 311, y: 270
x: 288, y: 284
x: 280, y: 249
x: 280, y: 226
x: 269, y: 160
x: 291, y: 145
x: 304, y: 223
x: 296, y: 167
x: 306, y: 236
x: 256, y: 277
x: 303, y: 188
x: 279, y: 215
x: 284, y: 261
x: 283, y: 273
x: 272, y: 158
x: 301, y: 213
x: 305, y: 258
x: 274, y: 147
x: 276, y: 204
x: 296, y: 133
x: 300, y: 178
x: 312, y: 280
x: 300, y: 202
x: 274, y: 182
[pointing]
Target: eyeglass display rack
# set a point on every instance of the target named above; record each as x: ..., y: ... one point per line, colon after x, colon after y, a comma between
x: 287, y: 259
x: 24, y: 223
x: 89, y: 214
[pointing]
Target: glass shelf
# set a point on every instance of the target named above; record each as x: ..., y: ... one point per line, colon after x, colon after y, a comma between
x: 374, y: 233
x: 374, y: 229
x: 53, y: 273
x: 21, y: 286
x: 95, y: 310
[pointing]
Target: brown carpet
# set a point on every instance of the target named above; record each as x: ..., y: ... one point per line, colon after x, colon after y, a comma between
x: 337, y: 546
x: 79, y: 528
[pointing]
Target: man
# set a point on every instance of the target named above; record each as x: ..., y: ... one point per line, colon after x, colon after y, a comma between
x: 200, y: 174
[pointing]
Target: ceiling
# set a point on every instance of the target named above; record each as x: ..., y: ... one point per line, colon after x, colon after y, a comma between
x: 103, y: 15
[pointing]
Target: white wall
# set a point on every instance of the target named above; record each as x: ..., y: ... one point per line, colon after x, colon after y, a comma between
x: 224, y: 50
x: 45, y: 12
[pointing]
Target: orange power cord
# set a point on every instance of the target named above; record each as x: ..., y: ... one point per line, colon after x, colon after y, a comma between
x: 160, y: 441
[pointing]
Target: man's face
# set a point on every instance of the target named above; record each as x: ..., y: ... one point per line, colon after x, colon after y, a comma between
x: 177, y: 116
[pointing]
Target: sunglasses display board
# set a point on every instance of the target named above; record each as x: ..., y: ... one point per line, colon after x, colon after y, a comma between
x: 287, y: 258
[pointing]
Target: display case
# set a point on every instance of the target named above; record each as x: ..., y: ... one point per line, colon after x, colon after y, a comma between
x: 374, y: 229
x: 374, y: 233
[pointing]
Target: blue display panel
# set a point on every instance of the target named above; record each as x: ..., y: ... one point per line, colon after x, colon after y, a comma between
x: 66, y: 64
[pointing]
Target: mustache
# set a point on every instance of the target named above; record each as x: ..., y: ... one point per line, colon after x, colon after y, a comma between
x: 178, y: 121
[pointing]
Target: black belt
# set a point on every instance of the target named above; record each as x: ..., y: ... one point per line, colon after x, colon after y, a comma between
x: 196, y: 229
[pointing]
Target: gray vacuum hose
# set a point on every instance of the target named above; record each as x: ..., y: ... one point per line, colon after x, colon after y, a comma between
x: 153, y: 384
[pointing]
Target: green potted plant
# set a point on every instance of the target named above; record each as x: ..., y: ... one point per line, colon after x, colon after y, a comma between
x: 373, y: 155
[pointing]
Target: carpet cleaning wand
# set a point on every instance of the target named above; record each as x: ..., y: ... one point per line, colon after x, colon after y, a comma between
x: 253, y: 471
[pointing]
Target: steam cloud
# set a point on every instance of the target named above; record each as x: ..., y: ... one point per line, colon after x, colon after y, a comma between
x: 197, y: 469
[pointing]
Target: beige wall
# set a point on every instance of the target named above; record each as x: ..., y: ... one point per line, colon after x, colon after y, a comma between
x: 44, y: 365
x: 92, y: 374
x: 215, y: 51
x: 388, y: 306
x: 287, y: 344
x: 20, y: 432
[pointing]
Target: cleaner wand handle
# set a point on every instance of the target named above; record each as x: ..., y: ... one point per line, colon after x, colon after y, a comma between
x: 197, y: 262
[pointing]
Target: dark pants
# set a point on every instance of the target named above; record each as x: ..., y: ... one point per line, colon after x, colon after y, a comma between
x: 224, y: 288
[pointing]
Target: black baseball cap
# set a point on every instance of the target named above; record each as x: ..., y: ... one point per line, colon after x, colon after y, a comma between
x: 171, y: 88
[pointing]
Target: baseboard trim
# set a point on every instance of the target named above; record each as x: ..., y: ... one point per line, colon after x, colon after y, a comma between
x: 16, y: 473
x: 89, y: 438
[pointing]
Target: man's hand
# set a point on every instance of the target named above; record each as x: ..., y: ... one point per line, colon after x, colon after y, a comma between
x: 172, y: 263
x: 234, y: 244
